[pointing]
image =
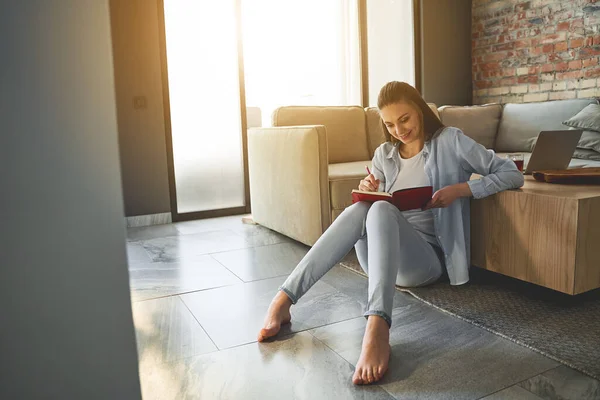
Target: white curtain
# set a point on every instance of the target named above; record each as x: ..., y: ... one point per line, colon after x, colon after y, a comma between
x: 300, y: 53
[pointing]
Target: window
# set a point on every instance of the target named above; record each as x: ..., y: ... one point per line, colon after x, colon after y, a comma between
x: 300, y: 53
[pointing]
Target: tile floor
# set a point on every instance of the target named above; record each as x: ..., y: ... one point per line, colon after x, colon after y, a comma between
x: 200, y: 290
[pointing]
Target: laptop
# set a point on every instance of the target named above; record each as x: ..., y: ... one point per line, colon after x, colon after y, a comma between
x: 553, y: 150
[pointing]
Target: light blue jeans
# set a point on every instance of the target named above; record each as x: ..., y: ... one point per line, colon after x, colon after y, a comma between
x: 389, y: 250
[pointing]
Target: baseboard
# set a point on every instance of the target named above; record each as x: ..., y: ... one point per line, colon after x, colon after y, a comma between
x: 147, y: 220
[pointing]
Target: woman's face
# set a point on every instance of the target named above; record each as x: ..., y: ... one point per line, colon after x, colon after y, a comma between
x: 402, y: 122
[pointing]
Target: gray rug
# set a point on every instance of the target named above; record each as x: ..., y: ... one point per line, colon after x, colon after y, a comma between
x: 562, y: 327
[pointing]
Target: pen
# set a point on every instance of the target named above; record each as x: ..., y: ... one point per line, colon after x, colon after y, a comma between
x: 367, y: 167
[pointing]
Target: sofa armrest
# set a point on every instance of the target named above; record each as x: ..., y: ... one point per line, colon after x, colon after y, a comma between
x: 289, y: 182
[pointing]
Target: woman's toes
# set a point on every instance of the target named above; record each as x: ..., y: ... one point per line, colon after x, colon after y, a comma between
x: 376, y: 375
x: 368, y: 376
x: 357, y: 378
x: 363, y: 377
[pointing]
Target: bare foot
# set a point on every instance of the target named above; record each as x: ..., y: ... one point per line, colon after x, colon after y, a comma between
x: 375, y: 354
x: 277, y: 315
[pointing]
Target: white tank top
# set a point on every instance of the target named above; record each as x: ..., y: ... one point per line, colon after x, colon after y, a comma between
x: 412, y: 174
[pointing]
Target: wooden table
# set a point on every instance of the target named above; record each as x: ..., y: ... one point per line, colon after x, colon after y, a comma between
x: 543, y: 233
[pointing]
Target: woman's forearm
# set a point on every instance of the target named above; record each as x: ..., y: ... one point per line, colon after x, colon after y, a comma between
x: 464, y: 189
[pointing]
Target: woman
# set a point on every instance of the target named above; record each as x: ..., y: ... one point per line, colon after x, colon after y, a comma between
x: 411, y: 248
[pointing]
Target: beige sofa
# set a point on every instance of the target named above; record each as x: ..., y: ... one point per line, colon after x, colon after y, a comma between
x: 303, y: 169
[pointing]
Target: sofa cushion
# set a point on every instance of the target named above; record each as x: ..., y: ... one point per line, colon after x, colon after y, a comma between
x: 343, y: 178
x: 587, y: 119
x: 522, y: 123
x: 374, y: 130
x: 335, y: 214
x: 375, y: 133
x: 480, y: 123
x: 434, y: 108
x: 346, y: 128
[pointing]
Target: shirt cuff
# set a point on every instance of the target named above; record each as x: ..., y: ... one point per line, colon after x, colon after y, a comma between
x: 477, y: 188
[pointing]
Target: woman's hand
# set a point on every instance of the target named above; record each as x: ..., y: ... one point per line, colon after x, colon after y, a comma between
x: 446, y: 196
x: 369, y: 184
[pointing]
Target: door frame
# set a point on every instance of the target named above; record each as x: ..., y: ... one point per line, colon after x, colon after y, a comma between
x: 176, y: 216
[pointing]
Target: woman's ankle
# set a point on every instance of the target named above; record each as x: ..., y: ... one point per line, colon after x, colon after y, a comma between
x: 377, y: 321
x: 283, y: 299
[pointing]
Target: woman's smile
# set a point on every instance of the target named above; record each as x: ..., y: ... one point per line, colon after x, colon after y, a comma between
x: 405, y: 136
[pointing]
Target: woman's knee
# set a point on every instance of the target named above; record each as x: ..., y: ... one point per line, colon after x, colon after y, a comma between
x: 382, y: 210
x: 360, y: 208
x: 411, y: 278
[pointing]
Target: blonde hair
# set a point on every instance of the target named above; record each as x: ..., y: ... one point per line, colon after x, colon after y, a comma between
x: 401, y: 92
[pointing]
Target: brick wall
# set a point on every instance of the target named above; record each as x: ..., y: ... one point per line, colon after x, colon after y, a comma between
x: 525, y: 51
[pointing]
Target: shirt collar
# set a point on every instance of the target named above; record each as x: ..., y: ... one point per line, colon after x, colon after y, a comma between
x: 394, y: 149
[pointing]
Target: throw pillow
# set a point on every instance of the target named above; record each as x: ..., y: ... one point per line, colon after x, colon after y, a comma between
x: 586, y: 154
x: 588, y: 118
x: 590, y: 140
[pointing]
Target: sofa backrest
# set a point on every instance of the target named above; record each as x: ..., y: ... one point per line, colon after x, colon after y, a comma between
x: 521, y: 123
x: 345, y: 126
x: 480, y: 123
x: 375, y: 130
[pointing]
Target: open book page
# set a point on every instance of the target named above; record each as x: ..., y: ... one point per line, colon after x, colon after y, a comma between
x: 370, y: 197
x: 372, y: 193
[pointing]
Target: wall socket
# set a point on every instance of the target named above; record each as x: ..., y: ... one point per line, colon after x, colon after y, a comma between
x: 140, y: 102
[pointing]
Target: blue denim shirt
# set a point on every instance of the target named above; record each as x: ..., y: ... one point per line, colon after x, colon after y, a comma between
x: 451, y: 157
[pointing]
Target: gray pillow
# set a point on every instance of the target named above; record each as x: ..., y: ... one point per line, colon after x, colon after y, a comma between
x: 586, y: 154
x: 590, y: 140
x: 588, y: 118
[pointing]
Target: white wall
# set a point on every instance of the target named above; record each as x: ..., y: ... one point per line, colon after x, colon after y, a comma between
x: 390, y: 35
x: 66, y: 329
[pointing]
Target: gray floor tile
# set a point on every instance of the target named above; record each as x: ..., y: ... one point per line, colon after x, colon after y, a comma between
x: 263, y: 262
x: 563, y: 383
x: 513, y: 393
x: 151, y: 232
x: 348, y: 282
x: 297, y: 367
x: 256, y: 235
x: 175, y: 248
x: 137, y: 254
x: 234, y: 315
x: 356, y: 286
x: 436, y: 356
x: 167, y: 331
x: 232, y: 222
x: 162, y: 279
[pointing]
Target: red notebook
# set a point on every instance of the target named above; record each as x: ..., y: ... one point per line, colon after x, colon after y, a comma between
x: 405, y: 199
